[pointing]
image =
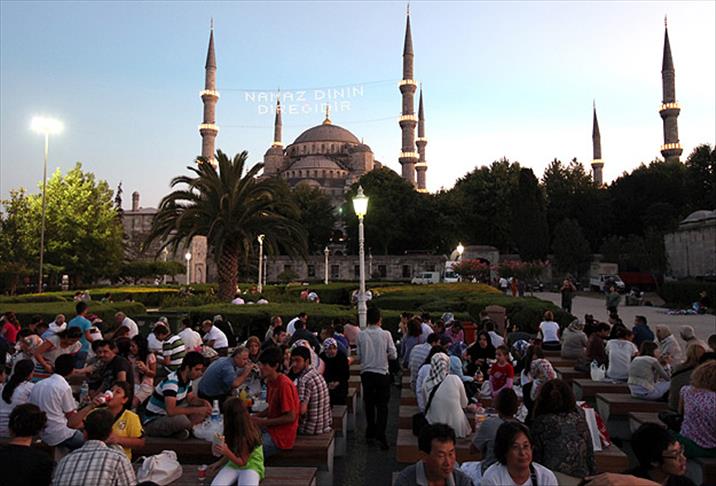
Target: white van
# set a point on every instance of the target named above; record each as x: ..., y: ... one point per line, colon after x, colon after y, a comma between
x: 426, y: 278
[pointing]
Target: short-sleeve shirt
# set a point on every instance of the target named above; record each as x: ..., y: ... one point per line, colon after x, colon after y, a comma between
x: 11, y: 332
x: 218, y: 377
x: 499, y: 374
x: 84, y: 324
x: 57, y: 350
x: 620, y: 352
x: 282, y: 398
x: 110, y: 372
x: 217, y: 335
x: 174, y: 348
x: 128, y: 426
x: 699, y: 416
x: 171, y: 386
x: 497, y: 475
x: 132, y: 326
x: 549, y: 331
x: 25, y: 466
x: 19, y: 396
x: 312, y: 389
x: 54, y: 397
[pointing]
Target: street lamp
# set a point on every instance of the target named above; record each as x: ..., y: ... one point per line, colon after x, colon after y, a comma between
x: 326, y: 251
x: 165, y: 254
x: 261, y: 261
x: 360, y: 206
x: 187, y: 257
x: 460, y: 250
x: 45, y: 126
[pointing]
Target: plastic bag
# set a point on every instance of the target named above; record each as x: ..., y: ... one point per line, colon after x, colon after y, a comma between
x: 162, y: 468
x: 597, y: 372
x: 208, y: 429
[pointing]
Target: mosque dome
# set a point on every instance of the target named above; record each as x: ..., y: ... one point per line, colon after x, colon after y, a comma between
x: 316, y: 162
x: 700, y: 215
x: 327, y: 132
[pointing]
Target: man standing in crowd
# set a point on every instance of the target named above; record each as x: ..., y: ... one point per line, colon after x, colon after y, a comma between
x: 81, y: 321
x: 225, y: 375
x: 95, y: 463
x: 316, y: 416
x: 172, y: 409
x: 279, y: 422
x: 375, y: 348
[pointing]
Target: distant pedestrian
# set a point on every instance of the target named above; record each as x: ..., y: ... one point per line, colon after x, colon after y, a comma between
x: 568, y: 289
x: 613, y: 299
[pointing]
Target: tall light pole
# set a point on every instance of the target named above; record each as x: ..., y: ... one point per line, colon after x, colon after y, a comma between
x: 187, y: 257
x: 261, y: 261
x: 460, y: 249
x: 326, y: 251
x: 45, y: 126
x: 165, y: 254
x: 360, y: 206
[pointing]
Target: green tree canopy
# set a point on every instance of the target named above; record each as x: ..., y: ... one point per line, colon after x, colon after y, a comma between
x: 318, y: 216
x: 529, y: 219
x: 571, y: 249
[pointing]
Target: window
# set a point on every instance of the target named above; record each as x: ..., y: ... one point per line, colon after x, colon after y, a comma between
x: 356, y: 271
x: 288, y: 268
x: 382, y: 271
x: 335, y: 271
x: 324, y: 173
x: 406, y: 271
x: 429, y: 268
x: 311, y: 270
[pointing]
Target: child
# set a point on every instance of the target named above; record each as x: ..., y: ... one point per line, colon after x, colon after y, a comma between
x: 127, y: 430
x: 501, y: 373
x: 242, y: 453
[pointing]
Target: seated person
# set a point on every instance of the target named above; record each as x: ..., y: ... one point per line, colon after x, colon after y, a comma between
x: 549, y: 332
x: 661, y: 457
x: 478, y: 354
x: 698, y: 406
x: 668, y: 344
x: 574, y: 341
x: 94, y: 463
x: 502, y: 374
x: 276, y: 321
x: 215, y: 338
x: 513, y: 450
x: 279, y: 422
x: 681, y: 374
x: 597, y: 343
x: 172, y: 409
x: 302, y: 333
x: 225, y: 375
x: 316, y: 417
x: 127, y: 432
x: 560, y: 433
x: 336, y: 373
x: 114, y: 368
x: 277, y: 337
x: 66, y: 341
x: 173, y: 348
x: 253, y: 345
x: 620, y: 352
x: 541, y: 372
x: 20, y: 463
x: 191, y: 338
x: 448, y: 397
x: 15, y: 391
x: 438, y: 443
x: 506, y: 405
x: 54, y: 397
x: 647, y: 377
x: 227, y: 329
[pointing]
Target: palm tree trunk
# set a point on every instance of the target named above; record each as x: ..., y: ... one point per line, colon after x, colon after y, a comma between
x: 228, y: 269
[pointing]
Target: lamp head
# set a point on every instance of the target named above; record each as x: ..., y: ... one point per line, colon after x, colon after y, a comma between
x: 46, y: 125
x: 326, y: 251
x: 360, y: 203
x: 260, y: 238
x: 460, y: 249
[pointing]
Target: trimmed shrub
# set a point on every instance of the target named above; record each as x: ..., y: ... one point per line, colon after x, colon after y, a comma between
x: 684, y: 293
x: 149, y: 296
x: 48, y: 310
x: 33, y: 298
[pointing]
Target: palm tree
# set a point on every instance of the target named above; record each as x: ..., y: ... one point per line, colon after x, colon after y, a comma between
x: 231, y: 209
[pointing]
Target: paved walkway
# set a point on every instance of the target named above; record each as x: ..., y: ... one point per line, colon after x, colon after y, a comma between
x: 704, y: 325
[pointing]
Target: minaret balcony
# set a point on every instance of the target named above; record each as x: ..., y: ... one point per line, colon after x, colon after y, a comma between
x: 597, y: 162
x: 670, y: 106
x: 421, y: 140
x: 671, y: 146
x: 408, y: 118
x: 421, y: 165
x: 411, y: 82
x: 423, y: 190
x: 209, y: 126
x: 209, y: 93
x: 408, y: 155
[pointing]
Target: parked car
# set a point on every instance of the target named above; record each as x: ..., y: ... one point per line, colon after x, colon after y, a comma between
x: 423, y: 278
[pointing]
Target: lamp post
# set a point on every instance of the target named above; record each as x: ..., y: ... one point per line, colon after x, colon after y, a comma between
x: 187, y: 257
x: 460, y: 249
x: 326, y: 251
x: 360, y: 206
x: 261, y: 261
x: 45, y: 126
x: 165, y: 254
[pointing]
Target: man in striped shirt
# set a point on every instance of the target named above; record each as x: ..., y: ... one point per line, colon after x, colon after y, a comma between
x: 173, y: 409
x: 173, y: 348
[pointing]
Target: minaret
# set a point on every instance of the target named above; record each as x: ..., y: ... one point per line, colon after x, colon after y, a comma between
x: 422, y: 166
x: 671, y: 150
x: 209, y: 96
x: 408, y: 156
x: 277, y: 125
x: 597, y: 163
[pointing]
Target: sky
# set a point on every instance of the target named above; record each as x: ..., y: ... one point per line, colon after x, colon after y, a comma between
x: 500, y: 79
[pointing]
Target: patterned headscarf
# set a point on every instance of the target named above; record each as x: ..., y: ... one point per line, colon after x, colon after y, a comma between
x: 542, y: 372
x: 576, y: 326
x: 439, y: 369
x: 328, y: 342
x: 315, y: 360
x: 519, y: 349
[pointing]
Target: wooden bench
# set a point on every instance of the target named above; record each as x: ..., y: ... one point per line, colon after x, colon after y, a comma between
x: 405, y: 382
x: 611, y: 459
x: 312, y: 451
x: 407, y: 448
x: 355, y: 370
x: 702, y: 470
x: 615, y: 408
x: 352, y: 404
x: 637, y: 419
x: 569, y: 374
x: 275, y: 476
x: 355, y: 382
x: 406, y: 412
x: 407, y: 397
x: 340, y: 426
x: 586, y: 389
x: 189, y: 451
x: 559, y: 362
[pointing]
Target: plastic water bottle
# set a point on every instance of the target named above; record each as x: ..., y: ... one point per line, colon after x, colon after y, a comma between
x: 84, y: 391
x: 215, y: 413
x: 263, y: 392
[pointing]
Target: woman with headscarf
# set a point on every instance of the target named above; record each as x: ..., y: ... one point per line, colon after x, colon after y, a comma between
x: 574, y: 341
x: 668, y: 344
x: 337, y: 371
x: 541, y: 372
x: 449, y: 397
x: 478, y: 353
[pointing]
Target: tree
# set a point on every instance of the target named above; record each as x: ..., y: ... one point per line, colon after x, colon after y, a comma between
x: 231, y: 209
x: 529, y: 220
x: 701, y: 178
x: 318, y: 217
x: 571, y: 249
x: 473, y: 268
x: 19, y: 243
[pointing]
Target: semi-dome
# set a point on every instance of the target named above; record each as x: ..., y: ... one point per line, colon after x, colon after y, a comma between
x: 327, y: 132
x: 316, y: 162
x: 700, y: 215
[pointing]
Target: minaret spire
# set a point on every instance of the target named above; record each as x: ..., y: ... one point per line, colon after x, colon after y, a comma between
x: 422, y: 166
x: 670, y: 109
x: 408, y: 156
x: 597, y: 163
x: 209, y: 96
x: 277, y: 124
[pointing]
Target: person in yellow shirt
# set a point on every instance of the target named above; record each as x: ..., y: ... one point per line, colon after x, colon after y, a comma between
x: 127, y: 430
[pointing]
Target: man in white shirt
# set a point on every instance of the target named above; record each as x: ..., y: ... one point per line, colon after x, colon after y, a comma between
x: 192, y: 339
x: 53, y: 396
x: 215, y: 338
x: 291, y: 326
x: 123, y: 321
x: 153, y: 343
x: 375, y: 348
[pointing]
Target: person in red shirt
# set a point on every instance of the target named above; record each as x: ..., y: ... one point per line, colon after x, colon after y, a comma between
x: 279, y: 422
x: 501, y: 373
x: 10, y: 328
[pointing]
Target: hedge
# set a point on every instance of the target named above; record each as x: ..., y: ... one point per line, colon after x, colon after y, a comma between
x: 48, y: 310
x: 684, y: 293
x: 149, y: 296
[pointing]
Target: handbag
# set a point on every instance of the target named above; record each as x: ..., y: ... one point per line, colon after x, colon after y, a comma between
x: 419, y: 420
x: 162, y: 468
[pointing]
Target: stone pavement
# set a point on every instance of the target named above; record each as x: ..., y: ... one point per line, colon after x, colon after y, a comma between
x: 704, y: 325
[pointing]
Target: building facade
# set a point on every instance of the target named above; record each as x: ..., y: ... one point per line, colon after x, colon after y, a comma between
x: 691, y: 249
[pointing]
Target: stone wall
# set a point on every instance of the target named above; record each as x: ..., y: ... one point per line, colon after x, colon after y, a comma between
x: 691, y: 250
